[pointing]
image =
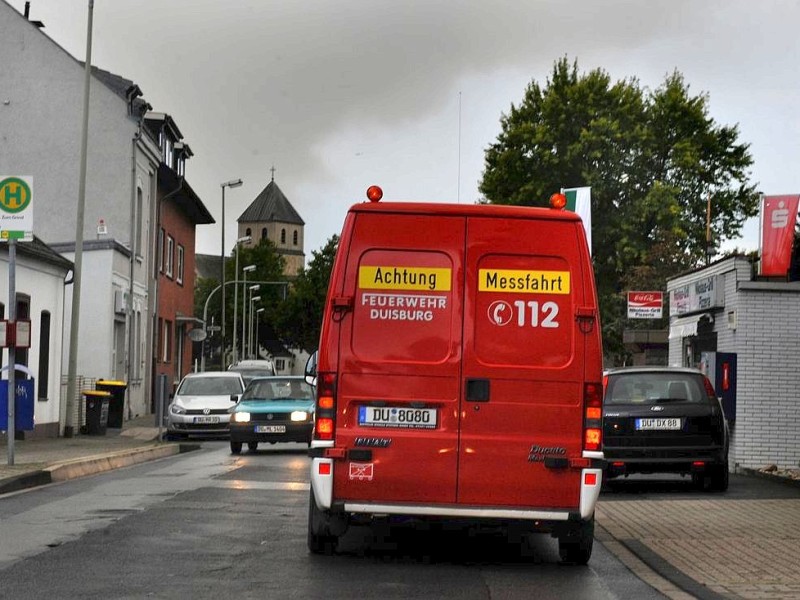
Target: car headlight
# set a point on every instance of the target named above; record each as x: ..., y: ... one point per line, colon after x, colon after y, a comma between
x: 300, y: 416
x: 176, y: 409
x: 241, y: 417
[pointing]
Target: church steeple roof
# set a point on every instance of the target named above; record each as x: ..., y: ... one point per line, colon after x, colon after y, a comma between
x: 269, y: 206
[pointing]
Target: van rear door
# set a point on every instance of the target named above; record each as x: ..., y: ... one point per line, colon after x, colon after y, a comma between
x: 523, y: 363
x: 399, y: 360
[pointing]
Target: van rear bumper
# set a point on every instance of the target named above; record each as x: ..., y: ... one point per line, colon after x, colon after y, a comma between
x: 322, y: 485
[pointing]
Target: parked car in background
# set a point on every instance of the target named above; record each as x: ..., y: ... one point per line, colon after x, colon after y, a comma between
x: 201, y: 404
x: 249, y: 369
x: 273, y: 409
x: 664, y: 420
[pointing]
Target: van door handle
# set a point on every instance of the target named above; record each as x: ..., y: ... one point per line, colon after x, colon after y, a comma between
x: 477, y: 390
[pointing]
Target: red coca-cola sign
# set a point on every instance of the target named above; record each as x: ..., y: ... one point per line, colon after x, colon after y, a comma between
x: 645, y: 305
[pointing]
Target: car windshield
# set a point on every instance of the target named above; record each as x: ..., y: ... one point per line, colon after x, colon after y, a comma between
x: 210, y: 386
x: 278, y: 389
x: 651, y: 388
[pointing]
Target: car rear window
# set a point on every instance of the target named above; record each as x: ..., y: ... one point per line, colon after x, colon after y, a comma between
x: 652, y: 388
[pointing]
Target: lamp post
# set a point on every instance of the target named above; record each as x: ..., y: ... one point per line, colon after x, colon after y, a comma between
x: 255, y: 345
x: 250, y: 304
x: 250, y: 289
x: 245, y: 271
x: 241, y: 240
x: 233, y: 183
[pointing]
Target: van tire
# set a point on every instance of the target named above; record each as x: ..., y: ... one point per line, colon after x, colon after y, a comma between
x: 252, y: 446
x: 236, y: 447
x: 576, y: 548
x: 320, y: 538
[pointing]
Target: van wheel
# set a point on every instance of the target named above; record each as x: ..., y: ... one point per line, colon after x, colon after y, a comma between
x: 719, y: 478
x: 575, y: 548
x: 236, y: 447
x: 320, y: 538
x: 252, y: 446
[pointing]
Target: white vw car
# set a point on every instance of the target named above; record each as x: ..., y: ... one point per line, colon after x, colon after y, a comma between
x: 201, y: 404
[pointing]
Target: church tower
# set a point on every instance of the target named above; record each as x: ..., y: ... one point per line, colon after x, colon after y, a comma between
x: 271, y: 216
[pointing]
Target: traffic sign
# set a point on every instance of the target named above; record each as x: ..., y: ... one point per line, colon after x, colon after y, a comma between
x: 16, y: 208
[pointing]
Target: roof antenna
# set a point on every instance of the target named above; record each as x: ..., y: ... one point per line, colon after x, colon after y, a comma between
x: 273, y: 172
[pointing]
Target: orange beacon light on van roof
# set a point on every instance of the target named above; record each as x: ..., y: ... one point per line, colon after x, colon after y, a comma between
x: 374, y: 193
x: 558, y: 201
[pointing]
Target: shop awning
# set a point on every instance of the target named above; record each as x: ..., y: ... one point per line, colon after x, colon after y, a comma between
x: 684, y: 326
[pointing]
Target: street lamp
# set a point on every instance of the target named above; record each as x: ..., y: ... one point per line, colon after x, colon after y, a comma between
x: 258, y: 312
x: 250, y: 289
x: 252, y: 301
x: 233, y: 183
x: 241, y: 240
x: 245, y: 271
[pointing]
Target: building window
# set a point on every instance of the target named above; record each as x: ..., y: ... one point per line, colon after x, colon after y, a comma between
x: 160, y: 250
x: 180, y: 264
x: 170, y: 253
x: 44, y: 354
x: 263, y: 233
x: 280, y: 364
x: 283, y: 236
x: 294, y: 238
x: 248, y: 232
x: 137, y: 350
x: 139, y: 218
x: 166, y: 342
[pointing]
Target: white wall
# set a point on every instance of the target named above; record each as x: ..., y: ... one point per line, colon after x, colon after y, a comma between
x: 44, y: 284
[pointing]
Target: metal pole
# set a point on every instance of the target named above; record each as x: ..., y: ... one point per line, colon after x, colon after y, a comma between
x: 235, y: 300
x: 222, y: 280
x: 76, y: 283
x: 12, y: 357
x: 244, y: 309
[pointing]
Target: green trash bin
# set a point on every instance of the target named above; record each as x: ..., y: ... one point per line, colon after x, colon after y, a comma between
x: 116, y: 403
x: 96, y: 411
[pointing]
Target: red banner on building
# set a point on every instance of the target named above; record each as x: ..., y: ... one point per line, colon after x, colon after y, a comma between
x: 778, y: 216
x: 645, y: 305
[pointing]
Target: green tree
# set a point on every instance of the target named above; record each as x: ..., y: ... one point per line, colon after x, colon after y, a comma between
x: 269, y: 268
x: 652, y: 159
x: 299, y: 318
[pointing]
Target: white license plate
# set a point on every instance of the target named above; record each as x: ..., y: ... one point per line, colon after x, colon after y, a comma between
x: 660, y: 424
x: 270, y: 428
x: 408, y: 418
x: 206, y: 420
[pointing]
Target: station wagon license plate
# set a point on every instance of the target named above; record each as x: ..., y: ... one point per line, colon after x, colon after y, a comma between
x: 270, y: 428
x: 396, y: 417
x: 206, y: 420
x: 658, y: 424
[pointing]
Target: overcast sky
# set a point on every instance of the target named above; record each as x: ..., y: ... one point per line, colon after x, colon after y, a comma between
x: 407, y: 94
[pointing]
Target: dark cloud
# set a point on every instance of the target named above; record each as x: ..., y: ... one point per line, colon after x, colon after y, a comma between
x: 341, y: 94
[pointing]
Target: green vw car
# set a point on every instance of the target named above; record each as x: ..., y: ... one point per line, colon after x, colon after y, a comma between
x: 273, y: 409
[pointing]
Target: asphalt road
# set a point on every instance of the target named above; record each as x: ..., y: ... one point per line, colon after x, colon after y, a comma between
x: 207, y: 525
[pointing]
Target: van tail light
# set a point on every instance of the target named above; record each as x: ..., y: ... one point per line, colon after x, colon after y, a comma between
x: 592, y: 416
x: 325, y: 414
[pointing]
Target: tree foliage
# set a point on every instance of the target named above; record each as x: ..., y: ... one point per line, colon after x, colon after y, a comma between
x: 299, y: 319
x: 652, y: 158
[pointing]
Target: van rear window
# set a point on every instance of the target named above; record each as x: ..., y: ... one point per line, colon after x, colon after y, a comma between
x: 404, y: 306
x: 523, y: 310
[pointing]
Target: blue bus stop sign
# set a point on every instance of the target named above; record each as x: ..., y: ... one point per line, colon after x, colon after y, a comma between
x: 23, y: 407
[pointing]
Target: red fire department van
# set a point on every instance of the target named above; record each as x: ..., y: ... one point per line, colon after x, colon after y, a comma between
x: 459, y: 373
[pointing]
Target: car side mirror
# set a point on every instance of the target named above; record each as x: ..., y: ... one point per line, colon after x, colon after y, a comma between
x: 235, y: 397
x: 311, y: 369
